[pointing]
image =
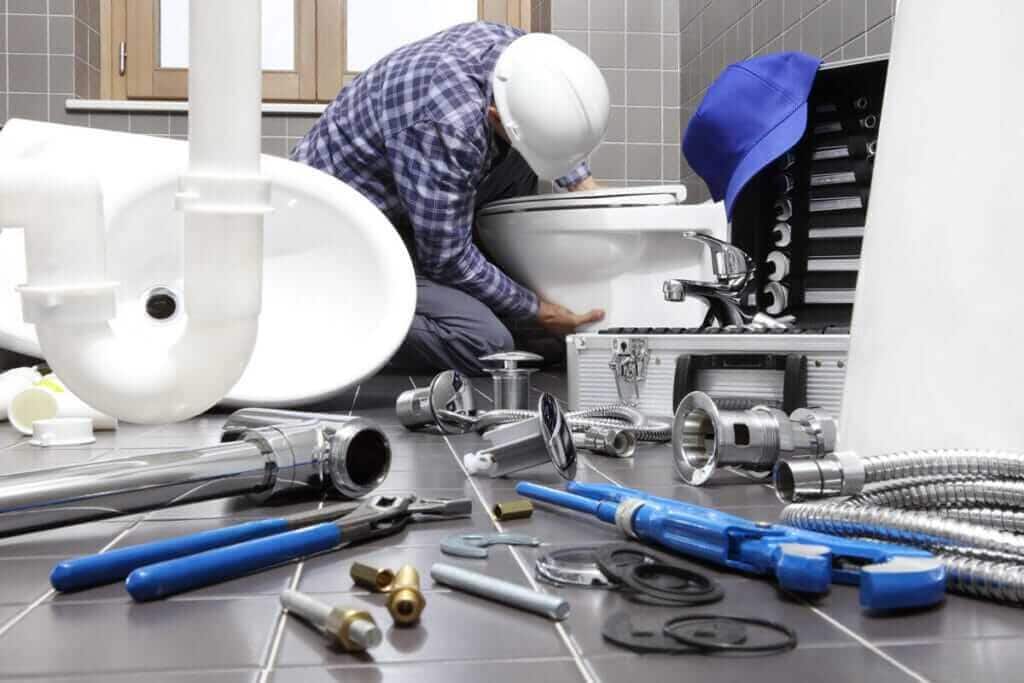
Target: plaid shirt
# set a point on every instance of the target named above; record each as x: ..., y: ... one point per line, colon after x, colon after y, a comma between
x: 411, y: 134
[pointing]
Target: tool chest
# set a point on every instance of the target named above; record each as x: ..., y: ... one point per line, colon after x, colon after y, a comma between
x: 802, y: 221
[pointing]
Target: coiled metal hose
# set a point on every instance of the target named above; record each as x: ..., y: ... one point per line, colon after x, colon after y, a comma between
x: 964, y: 506
x: 607, y: 416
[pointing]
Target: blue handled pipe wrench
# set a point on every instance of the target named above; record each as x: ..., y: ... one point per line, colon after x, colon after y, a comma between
x: 889, y: 576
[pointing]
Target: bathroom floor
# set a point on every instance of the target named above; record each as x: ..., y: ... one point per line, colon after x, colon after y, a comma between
x: 236, y: 631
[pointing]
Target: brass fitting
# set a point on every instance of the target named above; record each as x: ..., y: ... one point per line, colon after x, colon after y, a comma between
x: 406, y: 602
x: 353, y: 630
x: 513, y: 509
x: 372, y: 578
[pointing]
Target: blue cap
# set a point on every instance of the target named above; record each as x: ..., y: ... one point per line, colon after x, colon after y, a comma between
x: 752, y: 114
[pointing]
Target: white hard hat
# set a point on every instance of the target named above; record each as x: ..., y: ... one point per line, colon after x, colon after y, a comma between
x: 553, y: 102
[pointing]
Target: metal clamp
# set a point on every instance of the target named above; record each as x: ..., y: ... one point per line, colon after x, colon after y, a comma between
x: 476, y: 545
x: 629, y: 366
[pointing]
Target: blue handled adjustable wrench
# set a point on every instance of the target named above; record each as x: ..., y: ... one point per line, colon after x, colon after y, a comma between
x: 889, y: 576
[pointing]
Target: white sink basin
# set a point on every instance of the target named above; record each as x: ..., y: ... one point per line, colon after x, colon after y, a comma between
x: 337, y: 298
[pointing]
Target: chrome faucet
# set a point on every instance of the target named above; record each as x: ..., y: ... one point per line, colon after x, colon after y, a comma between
x: 734, y: 272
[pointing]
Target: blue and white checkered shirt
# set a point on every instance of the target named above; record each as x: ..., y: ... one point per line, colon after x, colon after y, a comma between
x: 411, y: 134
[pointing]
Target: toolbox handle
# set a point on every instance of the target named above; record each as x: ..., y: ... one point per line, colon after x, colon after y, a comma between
x: 793, y: 365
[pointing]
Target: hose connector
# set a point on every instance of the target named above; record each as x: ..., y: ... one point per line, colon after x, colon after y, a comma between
x: 405, y: 601
x: 617, y: 443
x: 837, y: 474
x: 705, y: 437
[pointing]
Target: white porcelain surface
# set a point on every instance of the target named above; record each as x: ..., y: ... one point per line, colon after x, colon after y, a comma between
x: 611, y: 257
x: 337, y: 298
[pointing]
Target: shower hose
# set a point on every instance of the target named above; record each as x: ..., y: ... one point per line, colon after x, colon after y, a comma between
x: 965, y: 506
x: 607, y: 416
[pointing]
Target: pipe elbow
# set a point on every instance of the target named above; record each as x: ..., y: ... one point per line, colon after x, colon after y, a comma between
x: 146, y: 383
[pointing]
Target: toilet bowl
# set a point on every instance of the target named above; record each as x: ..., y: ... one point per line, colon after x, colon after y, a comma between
x: 610, y: 249
x: 338, y: 285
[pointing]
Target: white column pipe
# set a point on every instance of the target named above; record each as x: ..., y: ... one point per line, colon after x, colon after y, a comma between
x: 224, y: 199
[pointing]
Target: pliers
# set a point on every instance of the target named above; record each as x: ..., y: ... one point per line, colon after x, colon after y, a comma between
x: 162, y: 568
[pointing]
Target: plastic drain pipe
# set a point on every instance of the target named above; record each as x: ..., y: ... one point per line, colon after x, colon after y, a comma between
x: 223, y: 198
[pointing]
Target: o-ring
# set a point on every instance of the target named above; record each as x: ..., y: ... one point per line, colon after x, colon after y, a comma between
x: 674, y: 629
x: 615, y: 558
x: 619, y: 629
x: 696, y: 589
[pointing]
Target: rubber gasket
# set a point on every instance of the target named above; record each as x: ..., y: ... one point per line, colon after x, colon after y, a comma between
x: 619, y: 629
x: 695, y: 590
x: 611, y: 558
x: 656, y: 601
x: 674, y: 626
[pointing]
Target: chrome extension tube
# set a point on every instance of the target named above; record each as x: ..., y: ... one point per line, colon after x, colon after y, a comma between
x: 295, y: 452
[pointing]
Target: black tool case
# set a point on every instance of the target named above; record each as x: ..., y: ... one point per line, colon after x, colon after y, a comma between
x: 820, y: 191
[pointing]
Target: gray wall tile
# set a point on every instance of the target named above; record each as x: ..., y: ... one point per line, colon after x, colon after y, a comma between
x: 62, y: 6
x: 855, y: 48
x: 767, y: 22
x: 608, y: 48
x: 609, y: 161
x: 879, y: 39
x: 606, y: 15
x: 110, y: 121
x: 23, y: 106
x: 643, y: 16
x: 3, y: 76
x: 792, y: 10
x: 150, y: 124
x: 27, y: 73
x: 643, y: 162
x: 276, y: 146
x: 669, y: 88
x: 60, y: 114
x: 643, y: 51
x: 670, y: 16
x: 26, y: 33
x: 689, y: 10
x: 569, y: 14
x: 616, y: 125
x: 26, y: 6
x: 854, y: 15
x: 810, y: 34
x: 831, y: 26
x: 62, y: 75
x: 616, y: 80
x: 62, y: 36
x: 670, y: 52
x: 878, y: 11
x: 273, y: 126
x: 179, y: 123
x: 644, y: 88
x: 643, y: 124
x: 298, y: 126
x: 670, y: 121
x: 689, y: 43
x: 81, y: 70
x: 670, y: 162
x: 577, y: 39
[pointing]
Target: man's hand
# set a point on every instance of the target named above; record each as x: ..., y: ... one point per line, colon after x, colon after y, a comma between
x: 561, y: 321
x: 587, y: 183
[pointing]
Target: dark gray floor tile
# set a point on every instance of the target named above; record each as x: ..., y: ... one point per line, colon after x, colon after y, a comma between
x: 453, y: 626
x: 106, y: 636
x: 330, y: 573
x: 24, y: 580
x: 959, y: 618
x: 803, y: 664
x: 250, y: 676
x: 546, y: 671
x: 66, y: 541
x: 991, y: 659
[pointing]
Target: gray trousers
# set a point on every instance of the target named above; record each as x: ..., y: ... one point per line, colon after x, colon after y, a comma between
x: 451, y: 329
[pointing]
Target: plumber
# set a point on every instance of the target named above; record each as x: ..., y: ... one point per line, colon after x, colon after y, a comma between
x: 437, y: 129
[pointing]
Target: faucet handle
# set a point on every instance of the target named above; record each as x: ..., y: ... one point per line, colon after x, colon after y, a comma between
x: 732, y: 266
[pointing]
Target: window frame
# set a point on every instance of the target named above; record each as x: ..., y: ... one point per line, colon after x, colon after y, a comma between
x: 321, y: 32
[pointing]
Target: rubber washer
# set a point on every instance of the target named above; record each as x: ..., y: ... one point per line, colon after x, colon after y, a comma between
x: 614, y: 559
x: 619, y: 629
x: 695, y: 589
x: 688, y: 630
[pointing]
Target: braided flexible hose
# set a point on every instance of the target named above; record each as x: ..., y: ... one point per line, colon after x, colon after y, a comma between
x: 944, y: 492
x: 962, y: 463
x: 609, y: 416
x: 1005, y: 520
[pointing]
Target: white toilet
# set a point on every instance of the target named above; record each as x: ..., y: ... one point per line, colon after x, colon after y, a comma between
x: 609, y: 249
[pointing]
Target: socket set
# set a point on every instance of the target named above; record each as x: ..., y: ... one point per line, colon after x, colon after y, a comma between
x: 802, y: 218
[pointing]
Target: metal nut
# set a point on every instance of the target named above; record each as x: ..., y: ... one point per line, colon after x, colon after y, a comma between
x: 513, y: 509
x: 372, y: 578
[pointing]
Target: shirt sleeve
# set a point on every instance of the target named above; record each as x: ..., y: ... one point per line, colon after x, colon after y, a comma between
x: 575, y: 176
x: 437, y: 168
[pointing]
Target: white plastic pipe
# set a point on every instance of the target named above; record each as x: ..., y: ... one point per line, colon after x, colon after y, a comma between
x: 12, y: 382
x: 935, y: 353
x: 224, y: 199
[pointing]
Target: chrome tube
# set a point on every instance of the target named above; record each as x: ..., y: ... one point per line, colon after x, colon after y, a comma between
x: 263, y: 462
x: 357, y: 456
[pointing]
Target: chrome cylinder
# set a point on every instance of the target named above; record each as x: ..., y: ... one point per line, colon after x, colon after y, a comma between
x: 511, y: 382
x: 544, y: 438
x: 705, y: 437
x: 448, y: 404
x: 356, y: 454
x: 262, y: 461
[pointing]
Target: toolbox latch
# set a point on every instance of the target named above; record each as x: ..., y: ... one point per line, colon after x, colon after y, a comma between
x: 629, y: 365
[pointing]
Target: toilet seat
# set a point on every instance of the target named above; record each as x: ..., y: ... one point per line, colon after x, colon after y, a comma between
x: 609, y: 198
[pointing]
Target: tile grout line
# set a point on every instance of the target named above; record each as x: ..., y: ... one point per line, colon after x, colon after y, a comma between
x: 584, y: 669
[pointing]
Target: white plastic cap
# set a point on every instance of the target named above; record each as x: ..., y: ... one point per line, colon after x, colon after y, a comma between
x: 62, y: 431
x: 553, y: 102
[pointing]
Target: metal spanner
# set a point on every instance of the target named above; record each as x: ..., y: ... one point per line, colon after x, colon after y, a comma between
x: 475, y: 545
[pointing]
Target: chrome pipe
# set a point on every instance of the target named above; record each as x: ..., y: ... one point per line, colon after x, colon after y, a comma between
x: 263, y: 461
x: 264, y: 453
x: 357, y: 454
